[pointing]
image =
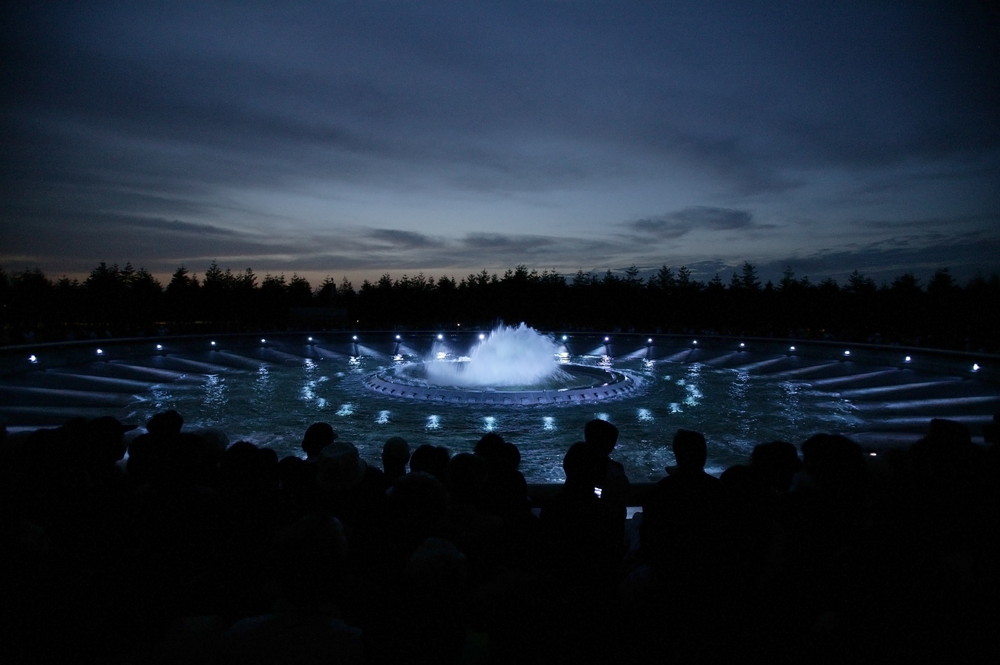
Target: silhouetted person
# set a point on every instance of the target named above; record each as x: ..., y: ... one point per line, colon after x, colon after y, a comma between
x: 317, y: 437
x: 680, y: 602
x: 395, y: 457
x: 775, y: 463
x: 431, y: 459
x: 584, y: 534
x: 614, y: 485
x: 352, y: 490
x: 686, y: 514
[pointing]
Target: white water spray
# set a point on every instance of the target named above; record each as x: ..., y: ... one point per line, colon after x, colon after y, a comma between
x: 507, y: 357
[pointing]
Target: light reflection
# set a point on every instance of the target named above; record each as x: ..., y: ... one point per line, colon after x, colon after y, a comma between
x: 346, y: 410
x: 675, y: 408
x: 214, y: 394
x: 489, y: 423
x: 433, y: 422
x: 382, y: 418
x: 644, y: 415
x: 548, y: 423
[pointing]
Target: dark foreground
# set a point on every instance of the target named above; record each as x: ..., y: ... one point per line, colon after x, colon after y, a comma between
x: 195, y: 552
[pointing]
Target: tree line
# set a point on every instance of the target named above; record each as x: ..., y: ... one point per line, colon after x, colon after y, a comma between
x: 118, y: 301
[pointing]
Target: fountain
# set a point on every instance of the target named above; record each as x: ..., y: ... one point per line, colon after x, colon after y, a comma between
x: 511, y: 365
x: 442, y: 388
x: 507, y: 357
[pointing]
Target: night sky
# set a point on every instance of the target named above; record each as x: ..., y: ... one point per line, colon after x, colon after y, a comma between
x: 353, y: 139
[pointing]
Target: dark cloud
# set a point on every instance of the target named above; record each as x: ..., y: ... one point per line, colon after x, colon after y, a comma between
x: 695, y: 218
x: 400, y: 239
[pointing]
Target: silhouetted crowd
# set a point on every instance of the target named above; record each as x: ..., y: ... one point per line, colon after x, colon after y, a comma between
x: 174, y: 547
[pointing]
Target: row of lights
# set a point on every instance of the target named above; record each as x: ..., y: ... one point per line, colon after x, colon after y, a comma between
x: 33, y: 359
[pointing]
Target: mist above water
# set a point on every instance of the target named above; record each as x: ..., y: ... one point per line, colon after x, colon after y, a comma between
x: 507, y: 357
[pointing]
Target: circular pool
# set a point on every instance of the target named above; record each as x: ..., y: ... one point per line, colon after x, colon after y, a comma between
x: 738, y: 393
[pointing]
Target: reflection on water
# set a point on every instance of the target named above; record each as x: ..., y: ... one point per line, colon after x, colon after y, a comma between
x: 272, y: 405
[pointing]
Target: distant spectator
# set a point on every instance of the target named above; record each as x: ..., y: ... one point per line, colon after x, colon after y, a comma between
x: 431, y: 459
x: 395, y: 457
x: 614, y: 485
x: 317, y: 437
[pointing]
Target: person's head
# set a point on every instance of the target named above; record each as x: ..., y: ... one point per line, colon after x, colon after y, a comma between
x: 776, y: 462
x: 341, y: 468
x: 602, y: 434
x: 317, y: 437
x: 395, y: 456
x: 690, y: 449
x: 165, y: 423
x: 432, y: 460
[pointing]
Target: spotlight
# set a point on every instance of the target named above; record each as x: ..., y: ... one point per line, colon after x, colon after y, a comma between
x: 354, y: 337
x: 694, y: 342
x: 440, y: 337
x: 310, y: 339
x: 212, y: 342
x: 481, y: 337
x: 791, y: 348
x: 33, y: 359
x: 397, y: 337
x: 100, y: 352
x: 263, y: 341
x: 975, y: 367
x: 649, y: 341
x: 907, y: 359
x: 847, y: 353
x: 159, y: 347
x: 742, y: 345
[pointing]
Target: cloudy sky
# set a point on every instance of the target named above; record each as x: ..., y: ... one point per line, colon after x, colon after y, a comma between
x: 353, y: 139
